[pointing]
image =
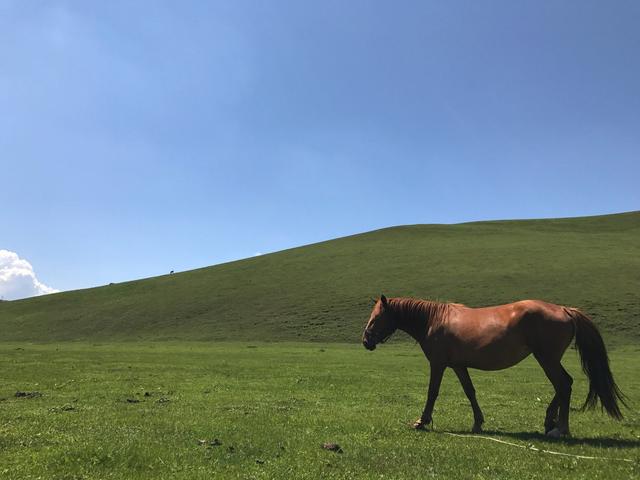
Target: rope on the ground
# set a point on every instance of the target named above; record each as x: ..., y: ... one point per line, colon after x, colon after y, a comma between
x: 535, y: 449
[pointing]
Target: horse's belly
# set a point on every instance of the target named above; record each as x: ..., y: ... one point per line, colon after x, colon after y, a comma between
x: 484, y: 363
x: 491, y: 357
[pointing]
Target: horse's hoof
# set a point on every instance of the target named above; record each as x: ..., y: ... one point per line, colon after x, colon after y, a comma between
x: 419, y: 425
x: 476, y: 429
x: 555, y: 433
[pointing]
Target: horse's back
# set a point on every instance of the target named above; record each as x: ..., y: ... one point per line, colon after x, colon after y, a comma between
x: 492, y: 338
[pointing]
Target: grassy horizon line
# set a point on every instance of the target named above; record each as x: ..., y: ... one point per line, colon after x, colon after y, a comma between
x: 322, y: 291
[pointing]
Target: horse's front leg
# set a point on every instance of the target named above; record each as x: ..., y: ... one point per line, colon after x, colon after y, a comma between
x: 435, y: 379
x: 470, y: 392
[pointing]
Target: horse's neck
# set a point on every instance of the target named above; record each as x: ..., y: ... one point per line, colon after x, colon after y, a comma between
x: 416, y: 316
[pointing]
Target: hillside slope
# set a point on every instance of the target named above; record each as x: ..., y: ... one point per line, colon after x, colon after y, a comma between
x: 322, y: 291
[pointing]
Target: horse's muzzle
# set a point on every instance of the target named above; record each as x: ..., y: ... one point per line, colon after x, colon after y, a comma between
x: 368, y: 343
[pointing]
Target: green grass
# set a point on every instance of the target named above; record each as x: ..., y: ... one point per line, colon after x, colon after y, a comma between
x: 282, y: 370
x: 272, y: 405
x: 322, y: 292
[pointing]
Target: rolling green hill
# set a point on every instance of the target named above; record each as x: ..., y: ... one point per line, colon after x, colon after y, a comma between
x: 322, y: 291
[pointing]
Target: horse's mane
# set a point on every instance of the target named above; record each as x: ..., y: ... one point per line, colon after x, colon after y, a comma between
x: 417, y: 315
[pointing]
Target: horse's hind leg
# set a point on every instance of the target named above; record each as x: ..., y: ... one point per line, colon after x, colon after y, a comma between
x: 551, y: 419
x: 562, y: 382
x: 467, y: 386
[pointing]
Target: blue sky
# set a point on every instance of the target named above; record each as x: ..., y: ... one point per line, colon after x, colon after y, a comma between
x: 142, y: 137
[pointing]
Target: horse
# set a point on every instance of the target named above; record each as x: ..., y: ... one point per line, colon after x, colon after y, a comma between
x: 493, y: 338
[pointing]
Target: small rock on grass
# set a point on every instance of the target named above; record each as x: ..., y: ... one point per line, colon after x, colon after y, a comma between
x: 213, y: 443
x: 334, y: 447
x: 20, y: 394
x: 65, y: 408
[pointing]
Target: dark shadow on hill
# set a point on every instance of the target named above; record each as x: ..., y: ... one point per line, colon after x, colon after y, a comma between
x: 604, y: 442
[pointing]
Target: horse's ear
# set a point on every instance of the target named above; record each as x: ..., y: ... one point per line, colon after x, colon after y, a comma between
x: 373, y: 300
x: 383, y: 299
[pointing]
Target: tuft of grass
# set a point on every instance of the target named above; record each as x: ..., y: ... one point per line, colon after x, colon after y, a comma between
x: 322, y: 292
x: 229, y: 411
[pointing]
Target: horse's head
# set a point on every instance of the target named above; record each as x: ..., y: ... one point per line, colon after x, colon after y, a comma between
x: 381, y: 325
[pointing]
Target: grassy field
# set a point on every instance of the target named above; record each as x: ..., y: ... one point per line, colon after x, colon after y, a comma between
x: 244, y: 370
x: 155, y: 410
x: 321, y: 292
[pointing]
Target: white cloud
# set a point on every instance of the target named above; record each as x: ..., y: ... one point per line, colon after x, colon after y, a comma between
x: 17, y: 278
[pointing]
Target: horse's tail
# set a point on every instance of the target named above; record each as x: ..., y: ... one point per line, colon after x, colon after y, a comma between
x: 595, y: 364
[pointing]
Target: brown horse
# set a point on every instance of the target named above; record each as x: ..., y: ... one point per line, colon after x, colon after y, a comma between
x: 493, y: 338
